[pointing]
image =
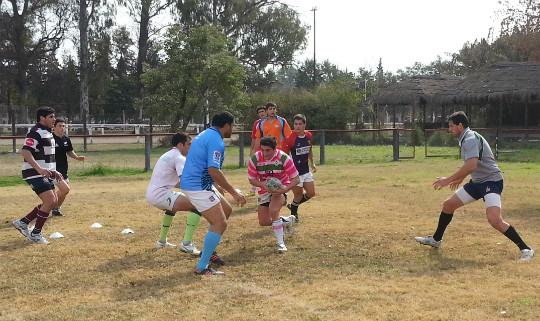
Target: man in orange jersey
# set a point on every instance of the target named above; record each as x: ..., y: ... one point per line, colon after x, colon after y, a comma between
x: 272, y: 126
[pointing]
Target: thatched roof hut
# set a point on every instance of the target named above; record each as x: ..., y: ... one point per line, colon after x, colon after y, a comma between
x: 418, y: 90
x: 501, y: 83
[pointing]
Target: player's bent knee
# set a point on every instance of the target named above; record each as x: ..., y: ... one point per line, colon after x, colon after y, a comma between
x: 449, y: 206
x: 265, y: 222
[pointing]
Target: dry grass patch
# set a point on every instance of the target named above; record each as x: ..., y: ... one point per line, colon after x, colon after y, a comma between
x: 352, y: 258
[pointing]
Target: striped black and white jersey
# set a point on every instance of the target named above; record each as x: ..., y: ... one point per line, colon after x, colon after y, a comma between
x: 40, y: 142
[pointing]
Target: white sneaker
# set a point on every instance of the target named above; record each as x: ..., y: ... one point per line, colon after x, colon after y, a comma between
x: 288, y: 223
x: 161, y: 245
x: 37, y: 238
x: 526, y: 255
x: 428, y: 240
x: 281, y: 248
x: 190, y: 248
x: 22, y: 227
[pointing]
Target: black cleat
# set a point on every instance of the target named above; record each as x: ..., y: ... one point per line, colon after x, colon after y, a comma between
x: 215, y: 259
x: 57, y: 212
x: 209, y: 272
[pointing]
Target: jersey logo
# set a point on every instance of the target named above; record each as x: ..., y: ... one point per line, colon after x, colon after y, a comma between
x: 212, y: 198
x: 303, y: 150
x: 29, y: 142
x: 216, y: 156
x: 169, y: 200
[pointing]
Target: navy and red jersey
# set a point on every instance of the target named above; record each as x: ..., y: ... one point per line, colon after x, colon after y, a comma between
x: 299, y: 148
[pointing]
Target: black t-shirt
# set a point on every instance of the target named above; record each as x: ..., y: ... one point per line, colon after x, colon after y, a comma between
x: 62, y: 147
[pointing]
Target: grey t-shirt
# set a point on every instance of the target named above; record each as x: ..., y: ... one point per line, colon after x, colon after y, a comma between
x: 474, y: 145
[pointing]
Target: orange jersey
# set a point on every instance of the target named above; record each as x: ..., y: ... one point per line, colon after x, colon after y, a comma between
x: 275, y: 129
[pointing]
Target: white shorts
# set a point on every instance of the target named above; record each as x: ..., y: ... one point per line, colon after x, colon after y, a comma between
x: 490, y: 199
x: 305, y: 178
x: 203, y: 200
x: 263, y: 198
x: 165, y: 202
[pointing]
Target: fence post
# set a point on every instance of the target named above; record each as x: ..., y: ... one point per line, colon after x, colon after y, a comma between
x: 321, y: 150
x: 395, y: 134
x: 147, y: 142
x: 14, y: 133
x: 241, y: 146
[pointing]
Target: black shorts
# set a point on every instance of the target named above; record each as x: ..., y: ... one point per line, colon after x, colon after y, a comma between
x: 41, y: 184
x: 479, y: 190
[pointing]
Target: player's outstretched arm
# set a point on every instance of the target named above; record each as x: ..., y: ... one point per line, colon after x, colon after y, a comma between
x: 74, y: 155
x: 219, y: 179
x: 468, y: 167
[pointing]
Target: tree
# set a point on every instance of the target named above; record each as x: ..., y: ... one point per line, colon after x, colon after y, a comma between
x: 263, y: 32
x: 200, y: 75
x: 30, y: 30
x: 143, y: 11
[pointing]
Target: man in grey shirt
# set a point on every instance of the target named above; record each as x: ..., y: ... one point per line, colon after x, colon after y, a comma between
x: 486, y: 183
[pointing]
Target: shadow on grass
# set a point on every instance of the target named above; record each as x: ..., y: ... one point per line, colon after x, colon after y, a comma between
x: 16, y: 244
x: 436, y: 262
x: 155, y: 287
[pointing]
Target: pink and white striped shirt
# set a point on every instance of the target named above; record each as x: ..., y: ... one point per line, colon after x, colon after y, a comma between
x: 281, y: 166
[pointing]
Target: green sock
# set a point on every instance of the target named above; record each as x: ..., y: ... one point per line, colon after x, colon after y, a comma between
x: 165, y: 225
x: 191, y: 224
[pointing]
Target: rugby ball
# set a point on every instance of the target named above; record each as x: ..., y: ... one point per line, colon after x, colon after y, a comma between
x: 274, y: 184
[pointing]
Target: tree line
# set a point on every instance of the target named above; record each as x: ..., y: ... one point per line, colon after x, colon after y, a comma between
x: 189, y: 58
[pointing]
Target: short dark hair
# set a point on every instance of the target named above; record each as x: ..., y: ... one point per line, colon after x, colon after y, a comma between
x: 59, y: 120
x: 179, y: 138
x: 221, y: 119
x: 269, y: 141
x: 459, y: 117
x: 259, y: 108
x: 301, y: 117
x: 44, y: 112
x: 270, y: 104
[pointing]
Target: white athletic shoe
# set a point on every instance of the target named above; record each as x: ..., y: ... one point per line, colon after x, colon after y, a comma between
x: 190, y: 248
x: 22, y: 227
x: 281, y: 248
x: 161, y: 245
x: 526, y: 255
x: 428, y: 240
x: 288, y: 223
x: 37, y: 238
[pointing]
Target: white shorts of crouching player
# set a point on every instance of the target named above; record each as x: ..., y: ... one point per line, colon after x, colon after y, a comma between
x: 163, y: 201
x: 305, y: 178
x: 204, y: 200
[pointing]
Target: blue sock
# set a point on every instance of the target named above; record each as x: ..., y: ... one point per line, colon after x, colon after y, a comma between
x: 211, y: 241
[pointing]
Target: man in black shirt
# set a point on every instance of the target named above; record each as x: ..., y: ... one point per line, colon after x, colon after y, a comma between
x: 64, y: 148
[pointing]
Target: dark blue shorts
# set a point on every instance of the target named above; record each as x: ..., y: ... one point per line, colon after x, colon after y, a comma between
x: 41, y: 184
x: 479, y: 190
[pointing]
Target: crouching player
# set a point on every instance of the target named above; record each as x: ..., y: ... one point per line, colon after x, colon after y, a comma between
x: 266, y: 163
x: 160, y: 193
x: 486, y: 183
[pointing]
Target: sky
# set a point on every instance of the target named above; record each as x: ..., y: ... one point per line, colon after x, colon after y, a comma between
x: 356, y: 33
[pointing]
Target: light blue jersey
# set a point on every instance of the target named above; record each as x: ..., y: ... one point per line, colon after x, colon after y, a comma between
x: 207, y: 150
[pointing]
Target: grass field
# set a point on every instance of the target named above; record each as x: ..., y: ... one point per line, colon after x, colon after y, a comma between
x: 352, y: 258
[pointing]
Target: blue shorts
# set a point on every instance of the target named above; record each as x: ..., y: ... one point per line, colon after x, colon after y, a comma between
x: 41, y: 184
x: 479, y: 190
